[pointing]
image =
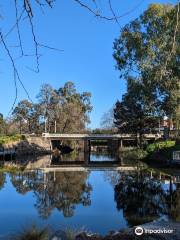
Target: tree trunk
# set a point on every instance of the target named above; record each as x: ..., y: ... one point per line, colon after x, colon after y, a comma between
x: 20, y: 127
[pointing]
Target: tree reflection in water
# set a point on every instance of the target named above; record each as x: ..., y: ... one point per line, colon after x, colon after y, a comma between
x: 141, y: 198
x: 2, y: 180
x: 173, y: 199
x: 55, y: 190
x: 175, y: 206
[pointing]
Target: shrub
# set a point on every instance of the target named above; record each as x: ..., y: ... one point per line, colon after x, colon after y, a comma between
x: 33, y: 233
x: 134, y: 154
x: 154, y: 147
x: 9, y: 139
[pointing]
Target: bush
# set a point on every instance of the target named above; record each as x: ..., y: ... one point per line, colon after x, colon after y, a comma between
x: 34, y: 233
x: 162, y: 151
x: 9, y: 139
x: 155, y: 147
x: 134, y: 154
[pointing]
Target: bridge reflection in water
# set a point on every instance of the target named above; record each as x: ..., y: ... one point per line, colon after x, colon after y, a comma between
x: 138, y: 196
x: 113, y: 196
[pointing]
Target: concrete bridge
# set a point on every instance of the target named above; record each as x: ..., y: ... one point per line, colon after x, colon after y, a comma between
x: 77, y: 136
x: 116, y: 139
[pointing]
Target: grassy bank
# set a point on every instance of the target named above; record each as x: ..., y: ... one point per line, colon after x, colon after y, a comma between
x: 162, y: 151
x: 45, y: 233
x: 10, y: 139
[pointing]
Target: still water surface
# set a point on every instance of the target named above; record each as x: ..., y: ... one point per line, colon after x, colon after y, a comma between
x: 98, y: 201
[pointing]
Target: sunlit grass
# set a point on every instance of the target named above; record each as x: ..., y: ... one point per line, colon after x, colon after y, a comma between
x: 9, y: 139
x: 32, y: 233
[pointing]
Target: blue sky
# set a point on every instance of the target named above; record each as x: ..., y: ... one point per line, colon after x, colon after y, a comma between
x: 86, y: 58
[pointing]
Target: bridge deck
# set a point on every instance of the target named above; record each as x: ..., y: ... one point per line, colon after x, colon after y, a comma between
x: 97, y: 136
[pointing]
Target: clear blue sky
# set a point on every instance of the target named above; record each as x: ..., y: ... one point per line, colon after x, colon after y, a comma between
x: 86, y: 60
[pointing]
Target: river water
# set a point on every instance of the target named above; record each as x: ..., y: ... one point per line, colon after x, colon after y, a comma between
x: 97, y: 200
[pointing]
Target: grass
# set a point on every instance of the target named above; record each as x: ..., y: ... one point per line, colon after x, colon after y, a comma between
x: 33, y: 233
x: 133, y: 154
x: 157, y: 146
x: 162, y: 151
x: 155, y: 153
x: 11, y: 138
x: 43, y: 233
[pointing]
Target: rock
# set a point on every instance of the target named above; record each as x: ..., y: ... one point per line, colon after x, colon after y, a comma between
x: 86, y: 236
x: 81, y: 236
x: 120, y: 236
x: 59, y: 235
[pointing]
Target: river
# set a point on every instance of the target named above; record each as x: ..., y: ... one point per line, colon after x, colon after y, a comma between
x: 94, y: 199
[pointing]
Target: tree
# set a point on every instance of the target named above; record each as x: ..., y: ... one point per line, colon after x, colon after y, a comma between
x: 46, y: 103
x: 148, y: 50
x: 65, y: 107
x: 133, y: 114
x: 22, y: 114
x: 107, y: 120
x: 62, y: 110
x: 2, y: 124
x: 75, y: 108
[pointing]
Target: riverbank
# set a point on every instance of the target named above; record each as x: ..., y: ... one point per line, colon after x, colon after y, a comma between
x: 21, y: 145
x: 161, y: 153
x: 158, y: 154
x: 11, y: 139
x: 154, y: 230
x: 160, y: 229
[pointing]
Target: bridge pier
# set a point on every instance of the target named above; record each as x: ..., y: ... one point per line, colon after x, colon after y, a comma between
x: 120, y: 143
x: 86, y: 146
x: 87, y: 150
x: 116, y: 144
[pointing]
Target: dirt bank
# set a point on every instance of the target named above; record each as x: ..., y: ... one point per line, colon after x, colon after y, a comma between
x: 29, y: 146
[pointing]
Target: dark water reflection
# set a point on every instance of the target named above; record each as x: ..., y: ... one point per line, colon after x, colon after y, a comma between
x: 141, y: 198
x: 2, y: 179
x: 100, y: 201
x: 100, y: 155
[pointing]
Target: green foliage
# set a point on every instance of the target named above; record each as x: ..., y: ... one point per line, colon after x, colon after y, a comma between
x: 36, y: 233
x: 154, y: 147
x: 102, y: 131
x: 132, y: 115
x: 64, y: 108
x: 2, y: 124
x: 162, y: 151
x: 148, y: 51
x: 9, y: 139
x: 133, y: 154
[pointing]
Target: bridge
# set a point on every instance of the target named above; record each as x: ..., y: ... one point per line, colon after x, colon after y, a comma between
x: 77, y: 136
x: 115, y: 140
